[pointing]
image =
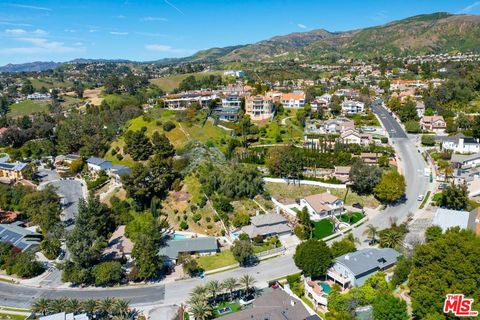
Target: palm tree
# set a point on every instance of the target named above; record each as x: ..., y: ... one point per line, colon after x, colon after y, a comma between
x: 213, y: 287
x: 89, y: 306
x: 58, y: 305
x: 391, y: 239
x: 199, y: 290
x: 41, y: 306
x: 230, y: 284
x: 371, y: 232
x: 247, y: 281
x: 201, y: 310
x: 72, y: 306
x: 121, y: 307
x: 446, y: 167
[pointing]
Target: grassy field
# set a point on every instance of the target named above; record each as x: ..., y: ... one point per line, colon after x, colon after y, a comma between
x: 283, y: 190
x: 27, y: 107
x: 49, y: 83
x: 7, y: 316
x: 322, y: 229
x: 171, y: 82
x: 218, y: 260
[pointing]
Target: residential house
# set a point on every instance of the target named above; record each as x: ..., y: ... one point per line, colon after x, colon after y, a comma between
x: 259, y: 108
x: 266, y: 225
x: 12, y: 171
x: 322, y: 205
x: 338, y: 125
x: 420, y: 107
x: 230, y: 109
x: 200, y: 245
x: 370, y: 158
x: 295, y: 99
x: 273, y: 305
x: 447, y: 218
x: 342, y: 173
x: 99, y: 164
x: 234, y: 73
x: 315, y: 292
x: 354, y: 268
x: 65, y: 316
x: 119, y: 246
x: 351, y: 107
x: 460, y: 144
x: 38, y: 96
x: 462, y: 161
x: 183, y: 100
x: 433, y: 123
x: 352, y: 136
x: 20, y: 237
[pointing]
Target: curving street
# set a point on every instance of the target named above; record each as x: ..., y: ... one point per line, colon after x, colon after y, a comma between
x: 176, y: 292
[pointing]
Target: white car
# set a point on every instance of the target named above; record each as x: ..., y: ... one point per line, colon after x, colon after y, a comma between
x: 247, y: 300
x: 420, y: 197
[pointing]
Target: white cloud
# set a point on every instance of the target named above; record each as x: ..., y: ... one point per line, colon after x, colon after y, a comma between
x: 470, y: 7
x: 78, y: 44
x: 155, y: 19
x: 70, y: 30
x: 173, y: 6
x: 116, y: 33
x: 15, y: 32
x: 40, y: 45
x: 92, y: 30
x: 166, y: 49
x: 30, y: 7
x: 40, y: 32
x: 151, y: 34
x: 302, y: 26
x: 14, y: 24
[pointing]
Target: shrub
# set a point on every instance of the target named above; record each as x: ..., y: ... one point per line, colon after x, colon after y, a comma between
x: 183, y: 225
x: 168, y: 126
x: 428, y: 140
x: 196, y: 217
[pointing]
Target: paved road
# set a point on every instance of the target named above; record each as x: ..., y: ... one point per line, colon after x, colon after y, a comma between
x: 177, y: 292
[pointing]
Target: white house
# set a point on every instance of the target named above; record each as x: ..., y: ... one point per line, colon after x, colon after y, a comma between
x: 354, y: 268
x: 461, y: 144
x: 352, y: 136
x: 350, y: 107
x: 338, y: 125
x: 295, y: 99
x: 447, y: 218
x: 322, y: 205
x: 99, y: 164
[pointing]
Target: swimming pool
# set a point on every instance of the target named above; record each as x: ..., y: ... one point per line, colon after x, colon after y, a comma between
x: 325, y: 287
x: 178, y: 237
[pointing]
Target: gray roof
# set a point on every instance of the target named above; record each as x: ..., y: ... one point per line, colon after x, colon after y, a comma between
x: 461, y: 158
x: 368, y: 260
x: 14, y: 166
x: 172, y: 248
x: 19, y: 237
x: 267, y: 230
x: 446, y: 218
x: 273, y: 305
x: 121, y: 169
x: 267, y: 219
x: 97, y: 161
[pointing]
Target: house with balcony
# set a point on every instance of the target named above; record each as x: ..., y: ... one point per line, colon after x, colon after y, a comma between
x: 433, y: 123
x: 267, y: 225
x: 352, y: 107
x: 294, y: 100
x: 354, y: 268
x: 322, y: 205
x: 315, y: 292
x: 259, y: 108
x: 460, y: 144
x: 338, y: 125
x: 12, y: 171
x: 352, y: 136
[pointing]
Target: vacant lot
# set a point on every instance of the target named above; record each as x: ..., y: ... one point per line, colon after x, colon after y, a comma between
x: 171, y: 82
x: 93, y: 96
x: 27, y: 107
x: 49, y: 83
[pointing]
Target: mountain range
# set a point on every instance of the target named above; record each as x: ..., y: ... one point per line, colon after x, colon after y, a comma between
x: 429, y: 33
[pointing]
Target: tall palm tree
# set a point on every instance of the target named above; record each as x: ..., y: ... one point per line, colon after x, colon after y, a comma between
x: 121, y: 307
x: 371, y: 232
x: 72, y: 306
x: 213, y: 287
x: 199, y: 289
x: 230, y: 284
x: 89, y: 306
x: 391, y: 239
x: 201, y: 310
x: 247, y: 281
x: 41, y: 306
x: 58, y: 305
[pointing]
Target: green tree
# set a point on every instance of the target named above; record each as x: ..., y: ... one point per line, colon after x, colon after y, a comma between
x: 26, y: 265
x: 388, y: 307
x: 313, y: 257
x: 242, y: 251
x: 342, y: 247
x: 108, y: 273
x: 402, y: 270
x: 247, y: 282
x: 391, y: 238
x: 412, y: 126
x: 364, y: 177
x: 145, y: 254
x: 433, y: 233
x: 50, y: 247
x: 42, y: 208
x: 162, y: 146
x: 428, y: 140
x: 138, y: 145
x: 390, y: 187
x: 455, y: 197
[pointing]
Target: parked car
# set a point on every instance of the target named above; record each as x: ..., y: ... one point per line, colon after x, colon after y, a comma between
x: 247, y: 300
x: 420, y: 197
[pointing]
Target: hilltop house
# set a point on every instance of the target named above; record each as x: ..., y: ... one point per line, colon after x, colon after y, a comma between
x: 338, y: 125
x: 322, y: 205
x: 352, y: 136
x: 99, y: 164
x: 433, y: 123
x: 266, y: 225
x: 20, y: 237
x: 12, y: 171
x: 460, y: 144
x: 259, y: 108
x: 295, y: 99
x: 354, y: 268
x: 351, y: 107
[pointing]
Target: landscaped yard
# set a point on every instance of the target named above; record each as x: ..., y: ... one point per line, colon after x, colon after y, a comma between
x: 228, y: 308
x: 27, y: 107
x: 355, y: 217
x: 218, y: 260
x: 322, y: 229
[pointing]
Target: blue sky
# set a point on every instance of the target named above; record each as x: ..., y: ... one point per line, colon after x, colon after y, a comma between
x: 60, y: 30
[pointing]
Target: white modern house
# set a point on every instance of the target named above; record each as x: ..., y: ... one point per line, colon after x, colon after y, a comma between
x: 447, y: 218
x: 99, y: 164
x: 461, y: 144
x: 354, y: 268
x: 295, y: 99
x: 322, y: 205
x: 351, y: 107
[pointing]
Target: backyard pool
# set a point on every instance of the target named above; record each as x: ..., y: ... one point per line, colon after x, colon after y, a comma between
x: 325, y: 287
x: 224, y: 310
x: 178, y: 237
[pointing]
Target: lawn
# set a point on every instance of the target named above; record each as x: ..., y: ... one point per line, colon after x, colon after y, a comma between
x: 263, y: 247
x: 356, y: 216
x: 27, y: 107
x: 322, y: 229
x: 232, y: 305
x: 171, y: 82
x: 218, y: 260
x: 49, y: 83
x: 286, y: 191
x: 6, y: 316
